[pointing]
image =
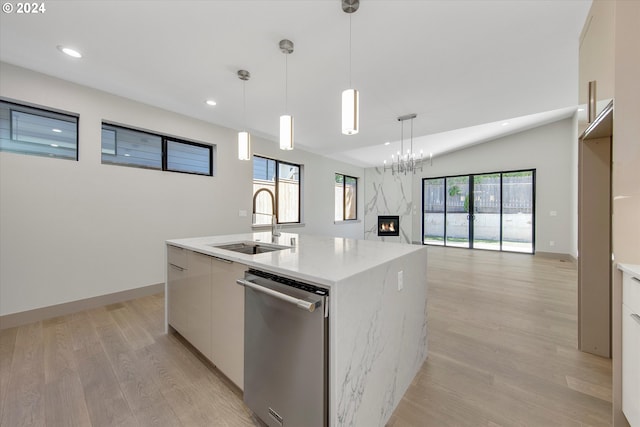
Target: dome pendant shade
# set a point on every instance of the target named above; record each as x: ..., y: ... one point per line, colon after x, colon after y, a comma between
x: 286, y: 132
x: 350, y: 111
x: 244, y: 145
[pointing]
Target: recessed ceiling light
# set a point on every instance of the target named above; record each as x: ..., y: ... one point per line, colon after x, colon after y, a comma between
x: 387, y: 143
x: 69, y: 51
x: 56, y: 130
x: 211, y: 102
x: 54, y: 145
x: 505, y: 124
x: 127, y: 155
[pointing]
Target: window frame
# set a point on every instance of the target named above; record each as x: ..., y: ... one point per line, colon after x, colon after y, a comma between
x: 165, y: 155
x: 164, y: 140
x: 344, y: 197
x: 277, y: 185
x: 47, y: 113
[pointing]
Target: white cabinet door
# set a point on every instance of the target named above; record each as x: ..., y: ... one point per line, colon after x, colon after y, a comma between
x: 177, y: 310
x: 176, y: 281
x: 631, y: 349
x: 597, y: 54
x: 227, y: 323
x: 198, y: 302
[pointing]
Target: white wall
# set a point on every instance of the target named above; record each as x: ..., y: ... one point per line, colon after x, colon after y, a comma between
x: 73, y: 230
x: 551, y: 150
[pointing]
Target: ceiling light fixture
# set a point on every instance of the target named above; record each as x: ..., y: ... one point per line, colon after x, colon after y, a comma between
x: 244, y: 138
x: 406, y: 162
x: 56, y: 130
x: 350, y: 97
x: 211, y: 102
x: 286, y: 120
x: 69, y: 51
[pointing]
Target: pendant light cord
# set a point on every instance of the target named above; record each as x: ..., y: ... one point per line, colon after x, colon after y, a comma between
x: 401, y: 139
x: 411, y: 137
x: 350, y: 50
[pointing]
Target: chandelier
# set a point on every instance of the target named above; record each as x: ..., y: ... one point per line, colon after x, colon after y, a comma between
x: 406, y: 162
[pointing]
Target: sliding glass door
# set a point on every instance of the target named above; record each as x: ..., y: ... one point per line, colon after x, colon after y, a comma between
x: 457, y: 212
x: 433, y: 211
x: 486, y: 211
x: 518, y: 211
x: 494, y: 211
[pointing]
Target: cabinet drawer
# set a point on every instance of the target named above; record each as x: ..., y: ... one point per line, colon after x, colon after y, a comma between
x: 177, y: 256
x: 631, y: 292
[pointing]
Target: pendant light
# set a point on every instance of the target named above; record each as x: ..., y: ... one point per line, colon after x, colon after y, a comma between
x: 286, y: 120
x: 244, y: 138
x: 408, y: 162
x: 350, y: 97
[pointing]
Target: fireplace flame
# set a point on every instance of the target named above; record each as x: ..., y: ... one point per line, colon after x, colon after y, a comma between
x: 388, y: 227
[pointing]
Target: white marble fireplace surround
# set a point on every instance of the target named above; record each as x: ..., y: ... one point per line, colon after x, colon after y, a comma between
x: 387, y: 194
x: 377, y: 332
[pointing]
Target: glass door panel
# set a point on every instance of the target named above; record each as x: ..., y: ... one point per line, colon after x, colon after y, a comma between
x: 517, y: 211
x: 433, y: 211
x: 457, y: 208
x: 486, y: 211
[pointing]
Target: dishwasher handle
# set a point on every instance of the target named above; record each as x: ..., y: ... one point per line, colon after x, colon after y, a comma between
x: 309, y: 306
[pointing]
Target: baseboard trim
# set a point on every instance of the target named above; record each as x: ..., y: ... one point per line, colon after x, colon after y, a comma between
x: 44, y: 313
x: 555, y: 255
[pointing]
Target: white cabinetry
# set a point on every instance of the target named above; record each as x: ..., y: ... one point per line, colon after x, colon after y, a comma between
x: 189, y: 296
x: 206, y: 307
x: 597, y: 55
x: 631, y: 348
x: 227, y: 323
x: 176, y: 281
x: 198, y: 301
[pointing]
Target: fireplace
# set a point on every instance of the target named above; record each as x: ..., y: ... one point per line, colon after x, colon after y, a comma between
x: 388, y: 225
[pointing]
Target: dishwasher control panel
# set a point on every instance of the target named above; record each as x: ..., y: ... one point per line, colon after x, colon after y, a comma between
x: 307, y: 287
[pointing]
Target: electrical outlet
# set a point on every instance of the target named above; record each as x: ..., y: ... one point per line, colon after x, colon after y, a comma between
x: 242, y: 213
x: 400, y: 280
x: 553, y: 213
x: 552, y: 243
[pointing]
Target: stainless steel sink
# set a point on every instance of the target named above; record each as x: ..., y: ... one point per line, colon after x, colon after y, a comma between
x: 250, y: 248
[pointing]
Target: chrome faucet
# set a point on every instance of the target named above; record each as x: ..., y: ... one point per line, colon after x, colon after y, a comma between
x: 275, y: 232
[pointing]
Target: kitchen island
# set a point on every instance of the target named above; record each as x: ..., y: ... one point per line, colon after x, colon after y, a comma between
x: 377, y: 310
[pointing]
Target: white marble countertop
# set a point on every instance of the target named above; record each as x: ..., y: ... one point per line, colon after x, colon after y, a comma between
x: 319, y: 259
x: 632, y: 269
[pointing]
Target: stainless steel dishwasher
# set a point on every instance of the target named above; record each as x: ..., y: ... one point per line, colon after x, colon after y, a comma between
x: 285, y: 350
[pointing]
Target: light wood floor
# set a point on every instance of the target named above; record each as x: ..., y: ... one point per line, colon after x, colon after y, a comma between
x: 502, y: 352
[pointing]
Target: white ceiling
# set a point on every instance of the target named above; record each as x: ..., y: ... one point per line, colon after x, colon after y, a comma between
x: 457, y: 64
